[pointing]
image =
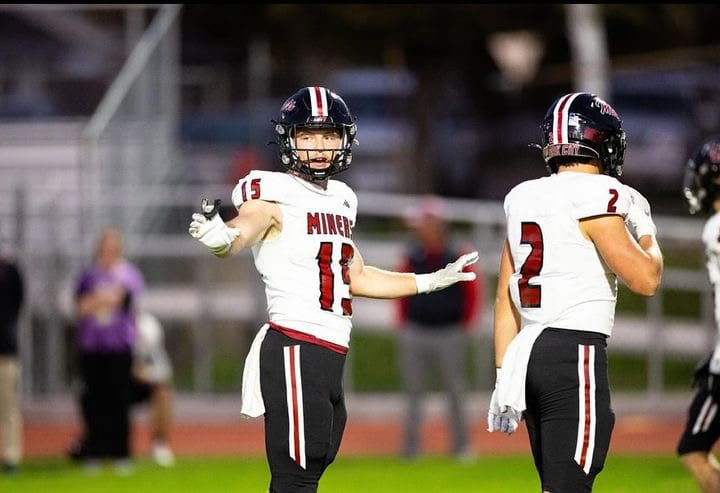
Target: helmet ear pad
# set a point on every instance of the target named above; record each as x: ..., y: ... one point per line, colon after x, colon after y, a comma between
x: 581, y: 125
x: 315, y: 108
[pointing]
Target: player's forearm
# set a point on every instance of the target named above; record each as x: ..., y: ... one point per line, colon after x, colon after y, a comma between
x: 238, y: 244
x: 372, y: 282
x: 503, y: 335
x: 644, y: 272
x: 251, y: 227
x: 506, y: 325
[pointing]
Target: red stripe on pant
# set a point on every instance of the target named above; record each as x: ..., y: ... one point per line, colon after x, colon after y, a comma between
x: 296, y: 418
x: 586, y: 433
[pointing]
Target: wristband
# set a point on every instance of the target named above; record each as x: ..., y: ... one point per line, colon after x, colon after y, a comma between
x: 422, y: 283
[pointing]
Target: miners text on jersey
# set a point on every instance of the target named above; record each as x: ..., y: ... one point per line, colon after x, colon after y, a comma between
x: 327, y: 223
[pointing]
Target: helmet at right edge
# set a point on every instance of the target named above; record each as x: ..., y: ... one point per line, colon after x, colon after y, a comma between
x: 701, y: 179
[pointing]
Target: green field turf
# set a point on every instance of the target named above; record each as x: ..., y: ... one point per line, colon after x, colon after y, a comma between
x: 505, y: 474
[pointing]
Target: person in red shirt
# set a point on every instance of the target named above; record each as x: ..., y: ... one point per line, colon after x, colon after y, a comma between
x: 434, y: 328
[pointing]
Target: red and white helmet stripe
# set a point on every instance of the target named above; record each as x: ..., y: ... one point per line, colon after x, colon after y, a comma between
x: 318, y: 101
x: 560, y: 118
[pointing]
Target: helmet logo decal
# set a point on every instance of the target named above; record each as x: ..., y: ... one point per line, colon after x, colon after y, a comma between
x: 318, y: 101
x: 560, y: 118
x: 604, y: 108
x: 713, y: 152
x: 288, y: 106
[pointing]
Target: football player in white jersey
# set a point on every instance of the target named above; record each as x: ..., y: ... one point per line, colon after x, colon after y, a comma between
x: 569, y: 236
x: 701, y: 189
x: 299, y: 226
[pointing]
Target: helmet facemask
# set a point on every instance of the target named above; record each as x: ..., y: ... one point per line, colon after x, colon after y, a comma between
x: 291, y: 157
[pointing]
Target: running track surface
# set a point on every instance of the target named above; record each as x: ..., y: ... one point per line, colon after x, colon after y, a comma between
x: 48, y: 434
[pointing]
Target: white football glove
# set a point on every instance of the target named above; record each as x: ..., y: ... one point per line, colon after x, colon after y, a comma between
x: 506, y: 421
x: 449, y: 275
x: 639, y: 219
x: 213, y: 232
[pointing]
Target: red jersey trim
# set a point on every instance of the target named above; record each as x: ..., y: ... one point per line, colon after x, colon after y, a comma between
x: 302, y: 336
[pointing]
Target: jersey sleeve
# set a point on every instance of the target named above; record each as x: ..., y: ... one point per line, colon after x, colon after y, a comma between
x: 261, y: 185
x: 604, y: 195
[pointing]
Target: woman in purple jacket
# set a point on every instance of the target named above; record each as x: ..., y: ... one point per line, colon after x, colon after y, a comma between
x: 105, y: 297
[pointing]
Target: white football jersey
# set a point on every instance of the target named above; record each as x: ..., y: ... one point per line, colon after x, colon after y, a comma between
x: 560, y: 279
x: 711, y: 239
x: 305, y: 268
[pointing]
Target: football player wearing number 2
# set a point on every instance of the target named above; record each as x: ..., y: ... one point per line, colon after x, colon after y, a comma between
x: 299, y: 226
x: 570, y: 235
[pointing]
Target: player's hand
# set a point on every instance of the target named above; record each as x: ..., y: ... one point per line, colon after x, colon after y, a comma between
x: 212, y: 231
x: 639, y: 218
x: 452, y: 273
x: 506, y: 420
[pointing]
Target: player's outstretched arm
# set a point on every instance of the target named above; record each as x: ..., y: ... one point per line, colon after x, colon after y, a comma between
x: 256, y: 220
x: 371, y: 282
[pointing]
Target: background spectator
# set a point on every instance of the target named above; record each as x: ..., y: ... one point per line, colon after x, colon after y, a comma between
x: 152, y: 381
x: 434, y: 327
x: 11, y: 299
x: 106, y: 296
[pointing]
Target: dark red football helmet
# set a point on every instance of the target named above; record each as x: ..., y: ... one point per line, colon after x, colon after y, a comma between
x: 701, y: 181
x: 582, y: 125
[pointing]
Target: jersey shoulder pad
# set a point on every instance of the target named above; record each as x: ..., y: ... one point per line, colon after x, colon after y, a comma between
x: 272, y: 186
x: 596, y: 195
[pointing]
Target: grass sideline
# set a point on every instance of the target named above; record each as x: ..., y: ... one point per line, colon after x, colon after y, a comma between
x: 516, y: 473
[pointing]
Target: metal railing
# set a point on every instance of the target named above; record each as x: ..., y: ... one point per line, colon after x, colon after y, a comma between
x: 188, y: 286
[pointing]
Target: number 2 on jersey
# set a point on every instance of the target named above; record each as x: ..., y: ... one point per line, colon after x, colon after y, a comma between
x: 327, y: 277
x: 531, y: 234
x: 613, y: 199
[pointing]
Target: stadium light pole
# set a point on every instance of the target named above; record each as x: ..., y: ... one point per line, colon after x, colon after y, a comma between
x: 588, y: 49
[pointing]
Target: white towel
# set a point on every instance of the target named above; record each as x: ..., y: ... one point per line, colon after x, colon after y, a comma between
x: 252, y: 401
x: 511, y: 387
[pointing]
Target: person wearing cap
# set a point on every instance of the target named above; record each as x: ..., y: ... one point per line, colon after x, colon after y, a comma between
x: 433, y: 328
